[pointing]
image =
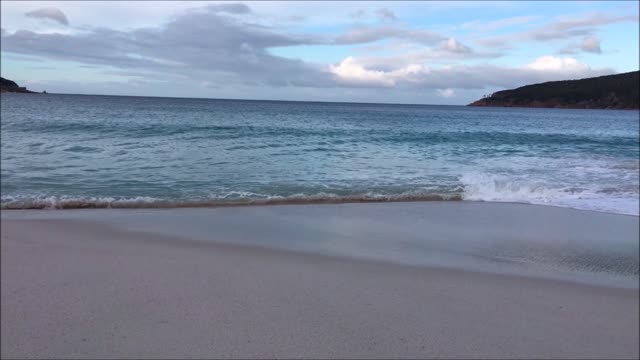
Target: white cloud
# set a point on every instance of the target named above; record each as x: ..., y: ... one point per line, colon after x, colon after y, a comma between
x: 452, y: 45
x: 552, y: 63
x: 350, y: 71
x: 239, y: 49
x: 445, y: 93
x: 446, y: 79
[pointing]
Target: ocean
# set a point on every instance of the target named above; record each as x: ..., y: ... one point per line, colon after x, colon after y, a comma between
x: 80, y: 151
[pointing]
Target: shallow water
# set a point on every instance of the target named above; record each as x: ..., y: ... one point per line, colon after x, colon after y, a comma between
x: 529, y: 240
x: 70, y: 151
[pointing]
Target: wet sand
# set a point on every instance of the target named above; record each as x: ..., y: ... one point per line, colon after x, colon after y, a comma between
x: 80, y: 287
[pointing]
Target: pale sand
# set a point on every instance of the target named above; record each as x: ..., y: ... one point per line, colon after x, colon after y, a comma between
x: 80, y: 289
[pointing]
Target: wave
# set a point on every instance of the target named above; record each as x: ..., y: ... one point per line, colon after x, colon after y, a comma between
x: 615, y: 191
x: 478, y: 188
x: 237, y: 199
x: 503, y: 188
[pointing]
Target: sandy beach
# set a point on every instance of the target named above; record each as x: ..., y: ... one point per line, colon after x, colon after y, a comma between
x: 105, y: 284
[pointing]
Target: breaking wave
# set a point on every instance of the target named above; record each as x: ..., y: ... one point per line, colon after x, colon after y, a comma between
x: 237, y: 199
x: 475, y: 187
x: 502, y: 188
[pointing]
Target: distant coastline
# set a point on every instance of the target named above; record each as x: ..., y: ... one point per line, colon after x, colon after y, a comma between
x: 618, y: 91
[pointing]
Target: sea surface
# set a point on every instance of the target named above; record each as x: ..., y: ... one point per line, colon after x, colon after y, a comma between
x: 77, y: 151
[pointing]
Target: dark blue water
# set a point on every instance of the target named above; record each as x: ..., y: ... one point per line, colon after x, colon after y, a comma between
x: 97, y: 151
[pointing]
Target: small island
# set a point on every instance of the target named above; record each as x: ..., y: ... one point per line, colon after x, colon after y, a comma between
x: 7, y: 85
x: 619, y: 91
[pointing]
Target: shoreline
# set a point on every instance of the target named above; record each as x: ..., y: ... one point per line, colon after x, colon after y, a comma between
x: 77, y: 285
x: 529, y: 240
x: 172, y: 240
x: 134, y: 203
x: 205, y: 204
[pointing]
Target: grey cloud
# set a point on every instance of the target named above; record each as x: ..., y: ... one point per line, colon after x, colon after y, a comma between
x: 40, y: 68
x: 591, y: 44
x: 591, y: 21
x: 52, y: 13
x: 362, y: 35
x: 196, y: 44
x: 236, y: 8
x: 296, y: 18
x: 208, y: 47
x: 497, y: 24
x: 588, y: 44
x: 386, y: 14
x: 444, y: 53
x: 357, y: 14
x: 560, y: 29
x: 541, y: 34
x: 22, y: 58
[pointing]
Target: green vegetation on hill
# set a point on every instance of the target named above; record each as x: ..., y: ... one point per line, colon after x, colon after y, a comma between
x: 620, y: 91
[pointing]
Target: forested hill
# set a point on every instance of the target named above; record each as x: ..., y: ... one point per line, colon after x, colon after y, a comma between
x: 618, y: 91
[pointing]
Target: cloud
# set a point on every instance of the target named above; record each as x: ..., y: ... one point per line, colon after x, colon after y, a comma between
x: 497, y: 24
x: 552, y: 63
x: 446, y: 93
x: 562, y: 28
x: 406, y: 53
x: 357, y: 14
x: 591, y: 44
x: 212, y: 48
x: 194, y: 45
x: 52, y: 13
x: 238, y: 51
x: 353, y: 71
x: 236, y: 8
x: 386, y: 14
x: 296, y: 18
x: 350, y: 71
x: 596, y: 19
x: 452, y: 45
x: 360, y: 35
x: 588, y: 44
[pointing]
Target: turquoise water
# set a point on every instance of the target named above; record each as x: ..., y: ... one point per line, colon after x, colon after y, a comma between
x: 69, y: 151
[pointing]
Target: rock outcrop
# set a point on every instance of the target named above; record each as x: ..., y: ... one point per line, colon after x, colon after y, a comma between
x: 7, y: 85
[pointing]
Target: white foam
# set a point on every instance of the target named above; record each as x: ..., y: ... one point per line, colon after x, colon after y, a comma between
x: 598, y: 183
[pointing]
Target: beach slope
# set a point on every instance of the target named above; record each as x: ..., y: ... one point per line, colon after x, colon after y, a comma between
x: 84, y: 289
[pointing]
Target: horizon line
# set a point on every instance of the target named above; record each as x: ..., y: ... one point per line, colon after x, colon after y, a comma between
x: 232, y: 99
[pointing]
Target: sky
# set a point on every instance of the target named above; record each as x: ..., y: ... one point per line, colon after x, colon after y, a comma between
x: 384, y: 52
